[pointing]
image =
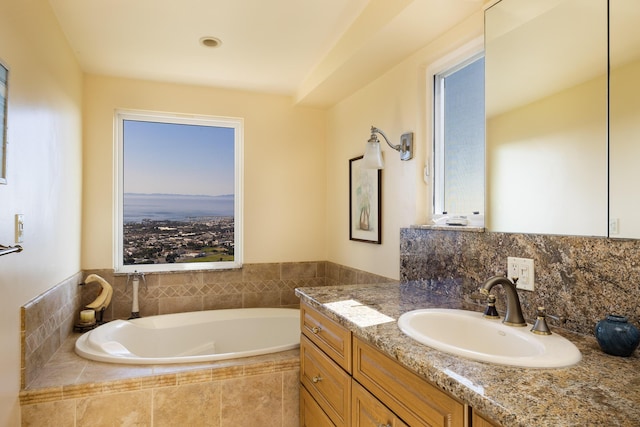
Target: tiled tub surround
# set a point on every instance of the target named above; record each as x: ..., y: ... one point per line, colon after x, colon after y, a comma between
x: 48, y: 319
x: 47, y: 323
x: 582, y: 278
x: 71, y: 391
x: 601, y: 390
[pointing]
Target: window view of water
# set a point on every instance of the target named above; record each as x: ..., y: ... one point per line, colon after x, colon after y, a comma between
x: 171, y: 228
x: 178, y: 187
x: 174, y: 207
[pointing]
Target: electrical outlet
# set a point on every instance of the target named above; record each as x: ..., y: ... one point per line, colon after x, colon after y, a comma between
x: 614, y: 226
x: 522, y: 268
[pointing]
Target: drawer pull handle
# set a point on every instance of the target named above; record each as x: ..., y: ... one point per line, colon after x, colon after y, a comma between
x: 315, y: 329
x: 316, y: 379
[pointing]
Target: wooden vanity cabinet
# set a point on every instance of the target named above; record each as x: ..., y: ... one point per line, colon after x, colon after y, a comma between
x: 325, y: 370
x: 478, y: 420
x: 346, y: 382
x: 414, y: 399
x: 326, y: 382
x: 332, y: 338
x: 367, y: 411
x: 311, y: 414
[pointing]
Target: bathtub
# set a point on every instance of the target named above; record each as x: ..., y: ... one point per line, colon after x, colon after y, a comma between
x: 193, y: 337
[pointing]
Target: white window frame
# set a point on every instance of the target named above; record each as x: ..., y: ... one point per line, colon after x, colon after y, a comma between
x: 229, y: 122
x: 449, y: 63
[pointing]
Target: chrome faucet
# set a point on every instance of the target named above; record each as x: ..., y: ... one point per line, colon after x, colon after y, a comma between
x: 513, y: 316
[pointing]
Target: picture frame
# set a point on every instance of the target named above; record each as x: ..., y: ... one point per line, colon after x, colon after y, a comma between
x: 4, y: 92
x: 365, y: 207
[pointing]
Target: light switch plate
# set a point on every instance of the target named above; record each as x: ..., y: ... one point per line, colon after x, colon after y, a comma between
x: 19, y: 228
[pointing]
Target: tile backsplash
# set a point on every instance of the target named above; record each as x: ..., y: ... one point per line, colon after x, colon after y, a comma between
x: 582, y: 278
x: 46, y: 321
x: 253, y: 285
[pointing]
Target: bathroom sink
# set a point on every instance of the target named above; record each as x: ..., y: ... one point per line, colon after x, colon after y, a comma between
x: 468, y: 334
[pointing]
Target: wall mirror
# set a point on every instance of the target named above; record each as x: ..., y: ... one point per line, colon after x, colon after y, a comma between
x: 624, y: 119
x: 546, y: 112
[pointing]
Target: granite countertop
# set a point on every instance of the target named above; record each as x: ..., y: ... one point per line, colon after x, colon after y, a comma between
x: 601, y: 390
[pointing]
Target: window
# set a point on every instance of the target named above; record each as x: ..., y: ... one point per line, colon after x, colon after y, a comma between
x: 179, y: 192
x: 459, y: 139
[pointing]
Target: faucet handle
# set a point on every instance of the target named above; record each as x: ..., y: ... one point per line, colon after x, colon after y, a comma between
x: 144, y: 281
x: 490, y: 311
x: 136, y: 275
x: 540, y: 327
x: 562, y: 319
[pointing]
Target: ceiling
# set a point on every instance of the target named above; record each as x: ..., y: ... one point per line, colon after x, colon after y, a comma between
x: 317, y: 51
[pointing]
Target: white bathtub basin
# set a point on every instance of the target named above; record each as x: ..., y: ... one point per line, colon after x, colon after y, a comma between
x: 200, y: 336
x: 468, y: 334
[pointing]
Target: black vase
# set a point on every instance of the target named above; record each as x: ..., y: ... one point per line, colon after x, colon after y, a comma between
x: 616, y: 336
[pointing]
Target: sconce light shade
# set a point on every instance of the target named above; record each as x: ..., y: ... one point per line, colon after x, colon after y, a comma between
x: 373, y: 152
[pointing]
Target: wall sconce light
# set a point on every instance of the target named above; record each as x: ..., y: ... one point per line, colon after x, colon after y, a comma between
x: 373, y: 153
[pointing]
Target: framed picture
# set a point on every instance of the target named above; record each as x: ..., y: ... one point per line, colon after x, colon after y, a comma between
x: 365, y: 208
x: 4, y: 85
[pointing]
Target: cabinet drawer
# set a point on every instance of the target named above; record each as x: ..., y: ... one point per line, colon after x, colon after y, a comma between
x: 331, y: 337
x: 329, y: 385
x: 415, y: 400
x: 311, y: 415
x: 367, y: 411
x: 478, y: 420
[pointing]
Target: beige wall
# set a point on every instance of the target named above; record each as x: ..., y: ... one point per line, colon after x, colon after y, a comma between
x: 284, y: 203
x: 44, y: 174
x: 396, y: 103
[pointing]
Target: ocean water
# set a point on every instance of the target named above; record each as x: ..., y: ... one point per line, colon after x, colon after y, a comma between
x: 174, y: 207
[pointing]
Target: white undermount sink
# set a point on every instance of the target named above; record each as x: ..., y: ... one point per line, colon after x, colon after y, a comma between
x: 468, y: 334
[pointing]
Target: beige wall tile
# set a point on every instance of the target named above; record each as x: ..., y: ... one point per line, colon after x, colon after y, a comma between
x: 121, y: 409
x: 172, y: 279
x: 261, y: 299
x: 122, y: 307
x: 49, y: 414
x: 47, y: 321
x: 348, y: 276
x: 190, y: 405
x: 321, y: 268
x: 179, y: 304
x: 252, y: 401
x: 332, y: 271
x: 299, y: 270
x: 288, y: 298
x: 222, y: 276
x: 221, y: 301
x: 291, y: 398
x: 260, y: 272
